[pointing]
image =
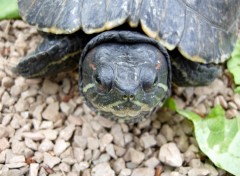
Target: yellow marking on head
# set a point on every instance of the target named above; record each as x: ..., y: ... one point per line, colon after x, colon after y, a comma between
x: 44, y: 70
x: 88, y: 86
x: 125, y: 112
x: 163, y: 86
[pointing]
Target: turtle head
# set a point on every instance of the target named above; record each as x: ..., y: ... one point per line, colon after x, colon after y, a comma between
x: 124, y: 81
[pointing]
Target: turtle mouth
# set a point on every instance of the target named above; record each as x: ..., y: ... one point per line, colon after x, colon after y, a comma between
x: 129, y: 109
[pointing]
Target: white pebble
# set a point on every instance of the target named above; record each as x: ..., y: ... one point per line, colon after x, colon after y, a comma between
x: 60, y: 146
x: 170, y: 155
x: 110, y: 150
x: 46, y: 145
x: 83, y: 165
x: 117, y: 134
x: 198, y: 172
x: 37, y: 113
x: 147, y: 140
x: 7, y: 100
x: 80, y: 141
x: 167, y: 132
x: 49, y: 87
x: 152, y: 162
x: 143, y: 172
x: 16, y: 165
x: 105, y: 140
x: 134, y: 156
x: 119, y: 150
x: 33, y: 171
x: 236, y: 99
x: 119, y: 165
x: 21, y: 105
x: 66, y: 86
x: 29, y: 93
x: 50, y: 134
x: 66, y: 108
x: 2, y: 156
x: 15, y: 90
x: 92, y: 143
x: 67, y: 132
x: 64, y: 167
x: 3, y: 132
x: 107, y: 123
x: 7, y: 82
x: 102, y: 169
x: 46, y: 125
x: 31, y: 144
x: 51, y: 112
x: 50, y: 160
x: 36, y: 136
x: 4, y: 144
x: 75, y: 120
x: 78, y: 153
x: 17, y: 159
x: 125, y: 172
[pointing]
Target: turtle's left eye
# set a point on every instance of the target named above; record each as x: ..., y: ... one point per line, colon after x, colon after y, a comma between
x: 149, y: 77
x: 103, y: 80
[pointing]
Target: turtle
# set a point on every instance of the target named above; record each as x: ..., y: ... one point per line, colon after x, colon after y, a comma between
x: 130, y: 52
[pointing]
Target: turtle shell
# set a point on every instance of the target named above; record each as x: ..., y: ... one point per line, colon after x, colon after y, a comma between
x: 203, y: 31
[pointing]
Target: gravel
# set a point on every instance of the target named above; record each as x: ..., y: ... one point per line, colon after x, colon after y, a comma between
x: 46, y: 129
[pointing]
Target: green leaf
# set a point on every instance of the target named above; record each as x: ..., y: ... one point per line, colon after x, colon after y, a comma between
x: 218, y: 138
x: 233, y: 64
x: 237, y: 90
x: 8, y: 9
x: 170, y: 104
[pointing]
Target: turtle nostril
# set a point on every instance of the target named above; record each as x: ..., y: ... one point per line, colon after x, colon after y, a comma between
x: 128, y: 97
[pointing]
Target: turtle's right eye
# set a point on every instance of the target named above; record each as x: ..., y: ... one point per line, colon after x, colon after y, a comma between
x: 98, y: 80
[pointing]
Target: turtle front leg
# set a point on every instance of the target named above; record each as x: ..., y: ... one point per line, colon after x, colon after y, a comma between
x: 189, y: 73
x: 57, y: 53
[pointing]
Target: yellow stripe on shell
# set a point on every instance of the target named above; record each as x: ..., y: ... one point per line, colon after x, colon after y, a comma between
x: 154, y: 35
x: 195, y: 58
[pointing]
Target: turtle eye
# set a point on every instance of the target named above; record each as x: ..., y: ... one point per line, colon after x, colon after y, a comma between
x: 103, y: 83
x: 155, y: 80
x: 98, y: 80
x: 149, y: 84
x: 149, y: 77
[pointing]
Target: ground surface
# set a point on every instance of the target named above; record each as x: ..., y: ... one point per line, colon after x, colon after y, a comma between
x: 46, y: 129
